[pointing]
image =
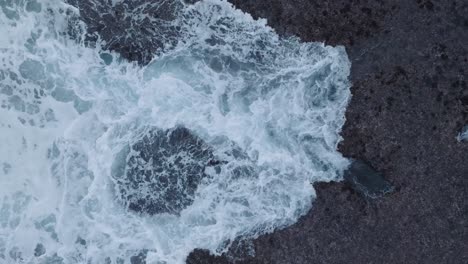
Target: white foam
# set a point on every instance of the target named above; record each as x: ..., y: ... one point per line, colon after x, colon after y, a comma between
x: 463, y: 135
x: 281, y: 101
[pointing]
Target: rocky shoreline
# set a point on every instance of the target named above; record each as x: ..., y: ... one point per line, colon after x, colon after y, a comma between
x: 410, y: 100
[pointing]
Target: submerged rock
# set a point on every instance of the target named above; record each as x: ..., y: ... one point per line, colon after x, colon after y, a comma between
x: 162, y: 171
x: 140, y: 258
x: 137, y: 29
x: 366, y: 180
x: 39, y: 250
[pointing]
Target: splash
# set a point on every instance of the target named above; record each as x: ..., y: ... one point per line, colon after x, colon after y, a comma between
x: 266, y: 111
x: 463, y: 135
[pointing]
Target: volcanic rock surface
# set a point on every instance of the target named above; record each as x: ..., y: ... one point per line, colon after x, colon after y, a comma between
x: 137, y: 29
x: 410, y: 101
x: 410, y: 89
x: 161, y: 171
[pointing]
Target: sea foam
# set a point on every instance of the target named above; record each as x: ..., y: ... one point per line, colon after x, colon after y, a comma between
x: 68, y: 109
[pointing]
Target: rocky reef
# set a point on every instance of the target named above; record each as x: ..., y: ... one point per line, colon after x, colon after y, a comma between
x: 409, y: 74
x: 410, y: 102
x: 161, y: 171
x: 132, y: 28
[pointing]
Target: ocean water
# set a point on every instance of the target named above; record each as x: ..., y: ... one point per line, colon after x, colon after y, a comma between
x: 463, y: 134
x: 245, y: 121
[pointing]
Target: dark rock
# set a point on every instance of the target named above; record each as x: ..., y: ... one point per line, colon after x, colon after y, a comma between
x: 137, y: 29
x: 162, y: 170
x: 366, y: 180
x: 200, y: 256
x: 80, y: 241
x: 140, y: 258
x: 39, y: 250
x: 241, y: 250
x: 409, y: 68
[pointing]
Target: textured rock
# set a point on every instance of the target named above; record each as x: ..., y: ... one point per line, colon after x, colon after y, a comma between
x: 161, y: 172
x: 410, y: 101
x: 137, y: 29
x: 39, y: 250
x: 366, y: 180
x: 409, y: 70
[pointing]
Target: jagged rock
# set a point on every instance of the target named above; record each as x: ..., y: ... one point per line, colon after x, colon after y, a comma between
x: 39, y: 250
x: 409, y: 103
x: 162, y: 171
x: 137, y: 29
x: 366, y: 180
x: 140, y: 258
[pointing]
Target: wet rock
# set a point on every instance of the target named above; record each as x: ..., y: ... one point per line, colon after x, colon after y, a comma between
x: 409, y: 67
x: 140, y: 258
x: 409, y: 103
x: 39, y: 250
x: 80, y: 241
x: 137, y: 29
x: 200, y: 256
x: 162, y: 171
x: 366, y: 180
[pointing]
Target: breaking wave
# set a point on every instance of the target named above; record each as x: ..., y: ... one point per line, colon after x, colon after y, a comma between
x: 104, y: 161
